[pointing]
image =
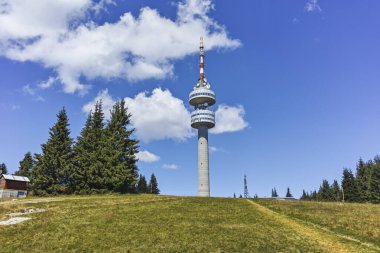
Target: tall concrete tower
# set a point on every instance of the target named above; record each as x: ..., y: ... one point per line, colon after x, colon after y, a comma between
x: 202, y: 118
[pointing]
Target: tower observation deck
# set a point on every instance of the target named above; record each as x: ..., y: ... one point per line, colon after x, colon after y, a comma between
x: 202, y: 118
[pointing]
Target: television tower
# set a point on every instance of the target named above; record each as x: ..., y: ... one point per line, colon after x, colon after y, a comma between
x: 202, y: 118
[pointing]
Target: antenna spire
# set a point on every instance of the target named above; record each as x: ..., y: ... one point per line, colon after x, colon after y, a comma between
x: 201, y: 62
x: 246, y: 194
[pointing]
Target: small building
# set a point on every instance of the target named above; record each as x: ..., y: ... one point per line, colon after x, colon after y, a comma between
x: 13, y: 186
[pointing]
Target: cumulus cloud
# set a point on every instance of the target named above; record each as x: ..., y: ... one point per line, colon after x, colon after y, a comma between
x: 159, y: 116
x: 312, y: 5
x: 229, y: 119
x: 147, y: 157
x: 62, y: 36
x: 170, y: 166
x: 107, y: 102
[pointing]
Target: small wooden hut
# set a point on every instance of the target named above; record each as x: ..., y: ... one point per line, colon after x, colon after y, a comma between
x: 13, y: 186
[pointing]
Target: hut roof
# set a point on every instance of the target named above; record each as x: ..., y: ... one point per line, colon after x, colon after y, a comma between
x: 16, y: 178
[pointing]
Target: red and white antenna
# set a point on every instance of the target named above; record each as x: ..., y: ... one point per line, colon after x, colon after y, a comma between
x: 201, y: 61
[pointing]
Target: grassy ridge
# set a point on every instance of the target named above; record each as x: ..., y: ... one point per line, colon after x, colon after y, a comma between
x: 145, y: 223
x: 361, y: 221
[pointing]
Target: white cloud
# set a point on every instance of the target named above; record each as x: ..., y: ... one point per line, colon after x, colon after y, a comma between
x: 159, y: 116
x: 61, y: 36
x: 102, y: 5
x: 229, y: 119
x: 155, y: 117
x: 107, y: 102
x: 213, y: 149
x: 48, y: 83
x: 28, y: 90
x: 170, y: 166
x: 147, y: 157
x: 312, y: 5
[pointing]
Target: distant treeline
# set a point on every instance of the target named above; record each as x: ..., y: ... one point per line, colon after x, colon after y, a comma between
x: 102, y: 159
x: 364, y: 186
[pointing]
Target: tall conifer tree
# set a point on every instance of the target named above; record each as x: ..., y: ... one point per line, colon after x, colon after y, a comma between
x: 98, y: 175
x: 3, y: 168
x: 82, y: 159
x: 305, y: 195
x: 153, y: 185
x: 121, y: 150
x: 375, y: 181
x: 51, y: 173
x: 335, y: 191
x: 349, y: 186
x: 363, y: 179
x: 142, y: 186
x: 274, y: 193
x: 325, y: 192
x: 288, y: 194
x: 26, y: 166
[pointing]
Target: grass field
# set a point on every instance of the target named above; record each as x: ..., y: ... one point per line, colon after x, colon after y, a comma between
x: 146, y: 223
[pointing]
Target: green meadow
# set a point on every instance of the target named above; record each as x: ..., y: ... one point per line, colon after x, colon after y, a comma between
x: 151, y: 223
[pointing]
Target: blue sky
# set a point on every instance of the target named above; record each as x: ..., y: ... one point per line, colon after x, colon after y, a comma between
x: 297, y: 84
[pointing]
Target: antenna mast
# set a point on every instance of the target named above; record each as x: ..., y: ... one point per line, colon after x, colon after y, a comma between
x: 246, y: 194
x: 201, y: 62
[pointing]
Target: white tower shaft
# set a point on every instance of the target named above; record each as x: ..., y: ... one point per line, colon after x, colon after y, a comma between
x: 203, y: 168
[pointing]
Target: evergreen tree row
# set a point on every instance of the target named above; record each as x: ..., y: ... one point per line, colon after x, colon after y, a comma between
x: 364, y: 186
x: 103, y: 158
x: 274, y: 193
x: 326, y: 192
x: 151, y: 188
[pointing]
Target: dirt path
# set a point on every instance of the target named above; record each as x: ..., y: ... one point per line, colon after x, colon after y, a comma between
x: 329, y: 240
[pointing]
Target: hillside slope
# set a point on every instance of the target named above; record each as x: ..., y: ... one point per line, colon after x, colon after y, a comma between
x: 146, y: 223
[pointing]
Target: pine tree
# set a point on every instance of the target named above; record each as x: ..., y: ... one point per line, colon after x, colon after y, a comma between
x: 288, y: 194
x: 153, y: 185
x: 349, y: 186
x: 325, y: 192
x: 335, y: 191
x: 314, y: 195
x: 375, y: 181
x: 3, y: 168
x: 363, y: 179
x: 142, y: 186
x: 234, y: 196
x: 82, y: 160
x: 121, y: 151
x: 89, y: 172
x: 51, y: 173
x: 274, y: 193
x: 26, y: 166
x: 304, y: 195
x: 98, y: 175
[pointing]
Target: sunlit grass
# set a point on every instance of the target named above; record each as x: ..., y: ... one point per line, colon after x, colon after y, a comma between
x: 147, y: 223
x: 361, y: 221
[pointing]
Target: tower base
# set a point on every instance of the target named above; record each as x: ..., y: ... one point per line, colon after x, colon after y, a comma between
x: 203, y: 169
